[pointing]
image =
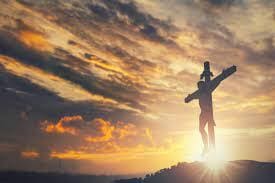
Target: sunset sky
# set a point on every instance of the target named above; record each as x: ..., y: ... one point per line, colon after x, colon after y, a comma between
x: 98, y: 86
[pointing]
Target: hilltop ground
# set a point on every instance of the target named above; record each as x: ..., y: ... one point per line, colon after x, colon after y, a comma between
x: 35, y: 177
x: 242, y: 171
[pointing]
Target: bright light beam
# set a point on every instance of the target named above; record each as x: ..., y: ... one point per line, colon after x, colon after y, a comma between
x: 214, y: 161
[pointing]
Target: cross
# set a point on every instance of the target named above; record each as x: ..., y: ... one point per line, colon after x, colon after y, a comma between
x: 204, y: 94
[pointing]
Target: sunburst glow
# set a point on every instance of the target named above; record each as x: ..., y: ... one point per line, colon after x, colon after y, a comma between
x: 214, y: 161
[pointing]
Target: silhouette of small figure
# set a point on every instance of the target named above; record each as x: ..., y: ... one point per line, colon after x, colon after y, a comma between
x: 206, y: 115
x: 204, y: 95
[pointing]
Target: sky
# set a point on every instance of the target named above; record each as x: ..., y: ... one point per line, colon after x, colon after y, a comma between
x: 98, y: 86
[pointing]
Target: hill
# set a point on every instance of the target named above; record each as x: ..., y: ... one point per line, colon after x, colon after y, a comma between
x: 35, y: 177
x: 241, y: 171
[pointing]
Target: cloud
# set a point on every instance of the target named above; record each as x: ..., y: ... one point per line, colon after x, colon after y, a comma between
x: 129, y: 13
x: 213, y: 8
x: 102, y: 131
x: 57, y: 67
x: 30, y: 154
x: 121, y: 82
x: 221, y: 2
x: 105, y: 142
x: 34, y: 40
x: 97, y: 130
x: 101, y: 12
x: 268, y: 48
x: 62, y: 126
x: 149, y: 135
x: 7, y: 147
x: 59, y: 85
x: 93, y: 139
x: 119, y: 157
x: 107, y: 66
x: 121, y: 154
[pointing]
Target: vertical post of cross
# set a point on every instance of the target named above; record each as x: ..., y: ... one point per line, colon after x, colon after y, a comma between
x: 206, y: 72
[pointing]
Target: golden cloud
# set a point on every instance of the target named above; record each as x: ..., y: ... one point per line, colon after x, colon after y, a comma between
x: 97, y: 130
x: 30, y: 154
x: 113, y: 142
x: 106, y: 131
x: 104, y: 128
x: 61, y: 127
x: 124, y: 130
x: 148, y: 134
x: 108, y: 142
x: 34, y: 40
x: 116, y: 153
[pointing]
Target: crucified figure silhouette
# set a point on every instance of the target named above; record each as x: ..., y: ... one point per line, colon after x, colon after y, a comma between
x: 204, y: 94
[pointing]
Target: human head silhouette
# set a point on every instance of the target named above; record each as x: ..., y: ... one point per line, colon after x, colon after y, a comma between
x: 200, y: 84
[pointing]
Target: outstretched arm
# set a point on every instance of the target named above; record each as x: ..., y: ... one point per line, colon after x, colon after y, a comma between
x: 225, y: 73
x: 192, y: 96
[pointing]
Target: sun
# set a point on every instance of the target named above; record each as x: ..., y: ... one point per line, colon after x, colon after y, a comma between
x: 214, y: 161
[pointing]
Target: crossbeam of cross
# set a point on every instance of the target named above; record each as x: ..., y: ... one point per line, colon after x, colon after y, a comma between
x: 212, y: 84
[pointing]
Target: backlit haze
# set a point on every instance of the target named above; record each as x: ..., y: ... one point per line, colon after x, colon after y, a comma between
x: 98, y: 87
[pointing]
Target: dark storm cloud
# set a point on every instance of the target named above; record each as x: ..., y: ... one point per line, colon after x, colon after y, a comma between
x: 113, y: 19
x: 36, y: 102
x: 147, y: 25
x: 119, y: 51
x: 39, y: 104
x: 137, y: 17
x: 20, y: 95
x: 101, y: 12
x: 10, y: 46
x: 124, y: 91
x: 110, y: 11
x: 7, y: 80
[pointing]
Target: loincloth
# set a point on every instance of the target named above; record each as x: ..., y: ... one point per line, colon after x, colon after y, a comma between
x: 207, y: 117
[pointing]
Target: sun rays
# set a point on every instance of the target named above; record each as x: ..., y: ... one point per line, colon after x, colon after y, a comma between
x: 215, y: 162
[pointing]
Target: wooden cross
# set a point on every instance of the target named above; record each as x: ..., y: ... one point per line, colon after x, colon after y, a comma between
x: 212, y: 84
x: 204, y: 95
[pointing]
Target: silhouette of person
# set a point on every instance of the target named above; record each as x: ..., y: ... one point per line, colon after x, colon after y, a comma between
x: 204, y: 95
x: 206, y: 115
